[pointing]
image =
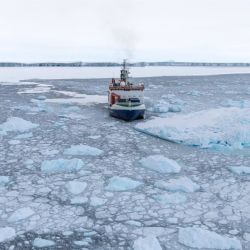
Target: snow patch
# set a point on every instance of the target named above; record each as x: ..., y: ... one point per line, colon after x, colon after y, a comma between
x: 117, y: 183
x: 182, y: 184
x: 214, y: 128
x: 61, y: 165
x: 204, y: 239
x: 83, y: 150
x: 160, y: 164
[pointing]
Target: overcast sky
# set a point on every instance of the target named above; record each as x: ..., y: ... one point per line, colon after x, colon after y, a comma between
x: 141, y: 30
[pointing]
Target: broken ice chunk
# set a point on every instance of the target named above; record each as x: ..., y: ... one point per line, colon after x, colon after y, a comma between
x: 203, y: 239
x: 117, y: 183
x: 147, y: 243
x: 76, y: 187
x: 82, y: 150
x: 39, y: 242
x: 240, y: 169
x: 174, y: 198
x: 160, y: 164
x: 7, y: 233
x: 21, y: 214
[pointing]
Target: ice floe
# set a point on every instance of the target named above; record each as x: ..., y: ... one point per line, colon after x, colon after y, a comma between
x: 83, y: 150
x: 160, y: 164
x: 163, y: 107
x: 117, y: 183
x: 7, y: 233
x: 24, y: 136
x: 16, y: 124
x: 76, y: 187
x: 96, y: 201
x: 213, y: 128
x: 172, y: 198
x: 203, y: 239
x: 182, y: 184
x: 21, y: 214
x: 147, y: 243
x: 62, y: 165
x: 40, y: 243
x: 239, y: 169
x: 79, y: 200
x: 4, y: 180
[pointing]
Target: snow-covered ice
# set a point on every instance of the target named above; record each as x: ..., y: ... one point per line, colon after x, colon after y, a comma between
x: 172, y: 198
x: 83, y: 150
x: 239, y: 169
x: 160, y: 164
x: 7, y: 233
x: 41, y: 243
x: 21, y: 214
x: 76, y: 187
x: 62, y: 165
x: 147, y: 243
x: 4, y: 180
x: 203, y: 239
x: 183, y: 184
x: 117, y: 183
x: 213, y: 128
x: 16, y: 124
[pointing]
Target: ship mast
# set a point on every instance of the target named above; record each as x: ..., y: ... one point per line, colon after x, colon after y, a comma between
x: 124, y: 72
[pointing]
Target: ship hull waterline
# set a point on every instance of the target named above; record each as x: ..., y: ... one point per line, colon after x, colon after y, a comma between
x: 127, y: 115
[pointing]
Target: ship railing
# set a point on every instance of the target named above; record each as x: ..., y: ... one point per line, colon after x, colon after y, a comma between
x: 127, y: 87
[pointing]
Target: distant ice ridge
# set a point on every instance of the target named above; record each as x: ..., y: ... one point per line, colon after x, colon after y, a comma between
x: 203, y: 239
x: 214, y: 128
x: 16, y: 124
x: 62, y: 165
x: 147, y: 243
x: 83, y: 150
x: 160, y: 164
x: 182, y: 184
x: 39, y: 88
x: 117, y: 183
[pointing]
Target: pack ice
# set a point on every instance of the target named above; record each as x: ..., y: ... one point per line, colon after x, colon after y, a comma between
x: 203, y: 239
x: 160, y: 164
x: 16, y: 124
x: 213, y: 128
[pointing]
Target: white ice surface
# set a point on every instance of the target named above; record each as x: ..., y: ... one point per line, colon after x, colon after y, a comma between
x: 203, y: 239
x: 147, y: 243
x: 117, y: 183
x: 213, y: 128
x: 239, y: 169
x: 21, y: 214
x: 7, y: 233
x: 173, y: 198
x: 83, y: 150
x: 4, y: 180
x: 182, y: 184
x: 163, y: 107
x: 40, y: 243
x: 160, y: 164
x: 61, y: 165
x: 76, y: 187
x: 39, y: 88
x: 16, y: 124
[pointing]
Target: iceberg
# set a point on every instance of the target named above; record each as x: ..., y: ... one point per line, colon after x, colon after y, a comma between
x: 76, y: 187
x: 239, y: 170
x: 182, y: 184
x: 16, y: 124
x: 147, y: 243
x: 21, y: 214
x: 62, y: 165
x: 117, y: 183
x: 160, y: 164
x: 40, y: 243
x: 203, y: 239
x: 213, y: 128
x: 84, y: 150
x: 7, y: 233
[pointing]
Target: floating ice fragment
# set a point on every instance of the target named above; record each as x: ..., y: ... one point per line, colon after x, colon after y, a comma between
x: 39, y: 242
x: 83, y: 150
x: 24, y: 136
x: 214, y: 128
x: 61, y: 165
x: 240, y: 169
x: 96, y: 201
x: 183, y: 184
x: 79, y: 200
x: 147, y: 243
x: 21, y: 214
x: 174, y: 198
x: 76, y: 187
x: 203, y: 239
x: 16, y: 124
x: 117, y: 183
x: 4, y: 180
x: 160, y: 164
x: 7, y: 233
